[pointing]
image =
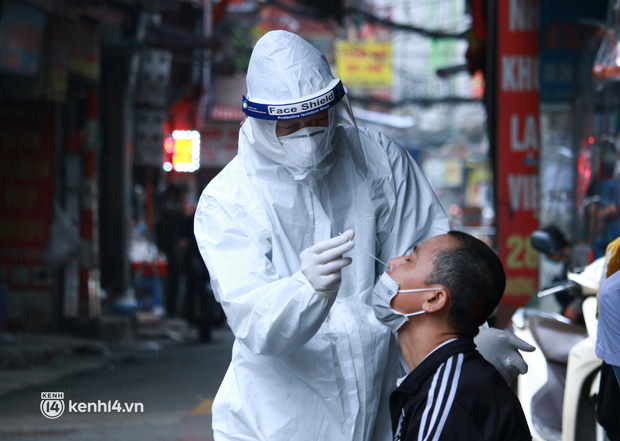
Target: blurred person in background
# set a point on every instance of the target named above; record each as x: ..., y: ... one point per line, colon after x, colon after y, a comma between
x: 552, y: 242
x: 603, y: 199
x: 608, y: 344
x: 169, y: 236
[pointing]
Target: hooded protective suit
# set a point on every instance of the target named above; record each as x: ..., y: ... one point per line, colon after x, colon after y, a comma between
x: 306, y: 366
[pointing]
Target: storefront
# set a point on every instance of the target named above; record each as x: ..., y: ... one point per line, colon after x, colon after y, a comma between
x: 49, y: 71
x: 555, y: 125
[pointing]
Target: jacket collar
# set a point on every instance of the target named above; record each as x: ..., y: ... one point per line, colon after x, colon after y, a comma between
x: 430, y: 364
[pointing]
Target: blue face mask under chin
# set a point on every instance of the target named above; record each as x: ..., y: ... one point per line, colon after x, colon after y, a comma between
x: 384, y: 291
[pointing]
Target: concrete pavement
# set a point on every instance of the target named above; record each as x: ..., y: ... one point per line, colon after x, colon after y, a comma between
x: 34, y: 359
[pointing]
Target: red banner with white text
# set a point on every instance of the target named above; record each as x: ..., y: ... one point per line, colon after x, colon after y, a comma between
x: 518, y: 145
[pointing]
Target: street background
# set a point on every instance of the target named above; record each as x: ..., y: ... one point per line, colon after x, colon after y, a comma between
x: 165, y: 368
x: 115, y: 114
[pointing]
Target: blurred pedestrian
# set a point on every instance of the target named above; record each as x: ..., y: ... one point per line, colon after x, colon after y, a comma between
x: 170, y: 239
x: 572, y: 258
x: 608, y: 344
x: 603, y: 199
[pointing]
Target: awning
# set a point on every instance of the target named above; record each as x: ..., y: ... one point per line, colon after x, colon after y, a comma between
x: 226, y: 113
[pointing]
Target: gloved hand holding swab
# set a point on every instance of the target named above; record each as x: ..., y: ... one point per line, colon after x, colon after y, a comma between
x: 365, y: 251
x: 322, y: 263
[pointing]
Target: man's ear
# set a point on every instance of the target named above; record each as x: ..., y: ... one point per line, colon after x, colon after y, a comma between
x: 437, y: 300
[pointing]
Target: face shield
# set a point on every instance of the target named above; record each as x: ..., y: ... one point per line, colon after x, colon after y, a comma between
x: 297, y: 117
x: 307, y: 130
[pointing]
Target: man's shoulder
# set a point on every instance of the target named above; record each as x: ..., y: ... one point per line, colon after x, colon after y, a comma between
x: 230, y: 176
x: 380, y: 140
x: 609, y: 294
x: 482, y: 389
x: 612, y: 282
x: 381, y: 150
x: 473, y: 379
x: 485, y: 400
x: 466, y: 392
x: 229, y: 186
x: 479, y: 374
x: 235, y: 166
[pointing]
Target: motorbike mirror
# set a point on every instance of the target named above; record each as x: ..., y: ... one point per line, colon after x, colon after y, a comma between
x: 543, y: 242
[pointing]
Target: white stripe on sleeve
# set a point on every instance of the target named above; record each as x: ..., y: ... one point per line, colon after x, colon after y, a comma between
x: 434, y: 417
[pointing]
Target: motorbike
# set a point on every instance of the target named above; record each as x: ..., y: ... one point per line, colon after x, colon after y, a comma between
x: 558, y: 393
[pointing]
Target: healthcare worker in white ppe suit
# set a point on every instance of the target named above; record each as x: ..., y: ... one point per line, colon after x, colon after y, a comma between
x: 277, y: 229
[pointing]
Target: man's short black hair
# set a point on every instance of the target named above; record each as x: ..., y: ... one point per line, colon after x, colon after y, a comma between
x: 475, y: 277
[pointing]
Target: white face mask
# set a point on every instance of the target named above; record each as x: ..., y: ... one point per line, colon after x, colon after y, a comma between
x: 307, y: 147
x: 383, y: 293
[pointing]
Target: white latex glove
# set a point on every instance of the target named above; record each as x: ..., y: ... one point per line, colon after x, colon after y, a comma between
x: 501, y: 349
x: 322, y: 263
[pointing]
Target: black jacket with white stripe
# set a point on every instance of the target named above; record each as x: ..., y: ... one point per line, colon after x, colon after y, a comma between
x: 455, y: 394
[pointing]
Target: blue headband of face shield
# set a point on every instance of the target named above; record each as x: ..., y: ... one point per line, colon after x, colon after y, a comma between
x: 316, y: 103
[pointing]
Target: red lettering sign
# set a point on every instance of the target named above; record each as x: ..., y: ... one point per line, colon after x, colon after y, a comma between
x: 518, y: 145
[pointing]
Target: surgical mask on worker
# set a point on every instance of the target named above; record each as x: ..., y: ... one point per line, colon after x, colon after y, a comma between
x: 384, y: 291
x: 307, y: 147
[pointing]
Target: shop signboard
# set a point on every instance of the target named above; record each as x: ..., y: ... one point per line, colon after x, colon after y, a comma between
x: 84, y: 51
x: 182, y: 151
x: 22, y: 29
x: 219, y: 143
x: 567, y: 47
x: 364, y: 64
x: 518, y: 145
x: 567, y: 29
x: 444, y: 172
x: 26, y: 180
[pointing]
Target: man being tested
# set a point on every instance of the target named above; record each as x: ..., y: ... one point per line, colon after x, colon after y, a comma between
x: 435, y: 299
x: 310, y: 361
x: 608, y: 344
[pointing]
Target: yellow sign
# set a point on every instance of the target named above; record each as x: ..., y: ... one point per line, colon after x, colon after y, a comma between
x: 364, y: 64
x: 182, y: 152
x: 184, y: 147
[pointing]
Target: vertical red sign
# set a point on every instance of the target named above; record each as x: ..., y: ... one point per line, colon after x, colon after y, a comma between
x: 26, y: 195
x: 518, y: 144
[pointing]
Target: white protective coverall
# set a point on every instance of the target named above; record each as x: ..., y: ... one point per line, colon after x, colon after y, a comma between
x: 306, y: 366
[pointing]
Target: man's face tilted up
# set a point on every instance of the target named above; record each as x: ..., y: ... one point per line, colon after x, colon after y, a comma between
x: 412, y: 271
